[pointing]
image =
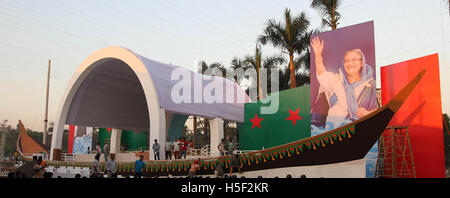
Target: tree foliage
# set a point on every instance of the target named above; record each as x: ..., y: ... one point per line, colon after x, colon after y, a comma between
x: 329, y: 11
x: 288, y: 35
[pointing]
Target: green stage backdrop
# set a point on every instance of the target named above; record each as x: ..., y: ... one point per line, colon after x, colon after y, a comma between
x: 133, y: 140
x: 104, y: 135
x: 275, y: 128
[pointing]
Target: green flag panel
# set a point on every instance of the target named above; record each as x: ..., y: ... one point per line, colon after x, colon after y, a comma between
x: 134, y: 141
x: 104, y: 136
x: 278, y: 128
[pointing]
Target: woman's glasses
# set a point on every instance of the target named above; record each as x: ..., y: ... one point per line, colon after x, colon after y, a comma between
x: 352, y: 60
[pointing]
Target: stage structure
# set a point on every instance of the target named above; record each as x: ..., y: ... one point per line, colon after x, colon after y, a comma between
x: 116, y: 88
x: 344, y: 144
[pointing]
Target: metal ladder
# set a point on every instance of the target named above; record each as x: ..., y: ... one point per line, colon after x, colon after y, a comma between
x: 395, y: 156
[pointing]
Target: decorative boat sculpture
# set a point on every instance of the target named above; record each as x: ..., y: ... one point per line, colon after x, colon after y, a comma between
x: 350, y: 142
x: 27, y: 146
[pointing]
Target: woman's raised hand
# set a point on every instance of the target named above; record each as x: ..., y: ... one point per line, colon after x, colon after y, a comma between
x: 317, y: 45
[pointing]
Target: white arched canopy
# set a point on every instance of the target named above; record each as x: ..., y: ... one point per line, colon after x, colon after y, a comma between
x: 117, y: 88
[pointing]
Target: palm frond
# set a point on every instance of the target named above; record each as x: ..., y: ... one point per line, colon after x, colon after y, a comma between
x: 315, y: 4
x: 288, y: 35
x: 302, y: 79
x: 273, y: 61
x: 328, y: 8
x: 237, y: 63
x: 249, y: 61
x: 275, y: 33
x: 202, y: 67
x: 325, y: 23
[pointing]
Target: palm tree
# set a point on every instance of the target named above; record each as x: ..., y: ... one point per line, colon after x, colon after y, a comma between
x: 448, y: 6
x: 272, y: 62
x: 203, y: 66
x: 237, y: 63
x: 257, y: 62
x: 203, y: 125
x: 287, y: 36
x: 328, y: 10
x: 304, y: 61
x: 220, y: 67
x: 195, y: 129
x: 283, y: 75
x: 301, y: 64
x: 301, y: 78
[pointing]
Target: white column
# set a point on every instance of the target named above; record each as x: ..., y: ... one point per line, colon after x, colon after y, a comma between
x: 115, y: 140
x: 158, y: 131
x: 57, y: 136
x: 216, y: 135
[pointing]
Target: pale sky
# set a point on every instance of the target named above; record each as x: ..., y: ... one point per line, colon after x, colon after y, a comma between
x: 183, y: 33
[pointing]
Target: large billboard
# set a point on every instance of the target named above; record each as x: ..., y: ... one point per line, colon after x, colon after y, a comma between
x: 343, y: 87
x: 421, y: 113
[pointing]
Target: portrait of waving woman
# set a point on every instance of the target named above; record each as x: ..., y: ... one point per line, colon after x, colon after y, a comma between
x: 351, y: 91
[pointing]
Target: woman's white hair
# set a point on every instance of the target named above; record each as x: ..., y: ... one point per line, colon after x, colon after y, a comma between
x: 361, y: 53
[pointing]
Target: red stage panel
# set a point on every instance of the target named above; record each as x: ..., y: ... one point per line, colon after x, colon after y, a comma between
x: 71, y: 137
x: 422, y: 111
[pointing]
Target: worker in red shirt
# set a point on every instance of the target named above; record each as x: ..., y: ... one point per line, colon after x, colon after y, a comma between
x: 191, y: 144
x: 183, y: 147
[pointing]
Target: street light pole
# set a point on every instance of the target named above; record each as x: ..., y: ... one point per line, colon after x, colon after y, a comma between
x: 44, y: 139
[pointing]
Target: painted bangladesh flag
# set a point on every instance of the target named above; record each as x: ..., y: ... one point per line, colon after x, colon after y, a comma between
x: 291, y: 122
